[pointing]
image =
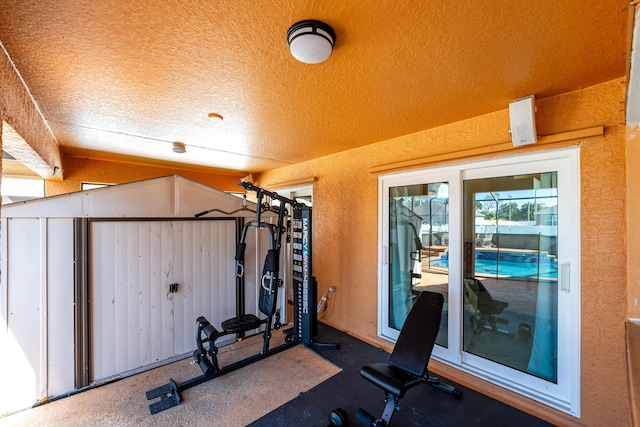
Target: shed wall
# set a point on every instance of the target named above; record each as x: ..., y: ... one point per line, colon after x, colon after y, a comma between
x: 37, y: 280
x: 136, y: 321
x: 36, y: 319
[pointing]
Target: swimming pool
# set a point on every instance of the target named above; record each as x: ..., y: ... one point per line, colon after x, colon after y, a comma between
x: 544, y: 270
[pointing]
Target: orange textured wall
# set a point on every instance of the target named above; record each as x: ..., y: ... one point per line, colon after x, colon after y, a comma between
x: 633, y: 267
x: 345, y: 236
x: 633, y: 213
x: 77, y: 171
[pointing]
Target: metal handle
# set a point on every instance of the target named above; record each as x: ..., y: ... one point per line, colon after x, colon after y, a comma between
x: 564, y: 276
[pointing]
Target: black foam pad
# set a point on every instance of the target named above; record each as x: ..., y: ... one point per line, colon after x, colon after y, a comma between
x: 271, y: 262
x: 269, y: 283
x: 389, y: 378
x: 418, y: 335
x: 240, y: 251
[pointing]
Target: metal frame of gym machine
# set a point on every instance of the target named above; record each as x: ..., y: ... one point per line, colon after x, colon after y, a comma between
x: 305, y: 296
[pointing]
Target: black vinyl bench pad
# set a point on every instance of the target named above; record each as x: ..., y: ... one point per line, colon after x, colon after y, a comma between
x: 389, y: 378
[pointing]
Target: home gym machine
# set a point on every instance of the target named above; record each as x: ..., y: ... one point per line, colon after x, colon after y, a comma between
x: 305, y: 295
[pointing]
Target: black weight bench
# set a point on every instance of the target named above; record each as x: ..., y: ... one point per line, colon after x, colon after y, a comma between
x: 407, y: 365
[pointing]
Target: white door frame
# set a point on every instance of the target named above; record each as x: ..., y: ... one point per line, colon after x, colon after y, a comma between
x: 565, y: 395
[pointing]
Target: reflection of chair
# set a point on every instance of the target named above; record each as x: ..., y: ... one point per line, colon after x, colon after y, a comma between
x: 407, y: 366
x: 486, y: 309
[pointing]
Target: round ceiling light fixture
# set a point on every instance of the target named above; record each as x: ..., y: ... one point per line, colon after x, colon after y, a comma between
x: 311, y: 41
x: 179, y: 147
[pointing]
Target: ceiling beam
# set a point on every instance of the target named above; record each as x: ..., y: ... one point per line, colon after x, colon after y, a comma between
x: 25, y: 134
x: 20, y: 150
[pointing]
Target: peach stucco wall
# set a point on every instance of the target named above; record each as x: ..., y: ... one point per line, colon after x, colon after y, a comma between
x: 79, y: 170
x: 633, y: 213
x: 345, y: 236
x: 633, y: 268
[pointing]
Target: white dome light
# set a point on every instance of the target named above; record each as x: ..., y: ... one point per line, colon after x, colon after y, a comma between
x: 311, y: 41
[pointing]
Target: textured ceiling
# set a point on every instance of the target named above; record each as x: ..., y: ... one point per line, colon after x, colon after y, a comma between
x: 123, y: 79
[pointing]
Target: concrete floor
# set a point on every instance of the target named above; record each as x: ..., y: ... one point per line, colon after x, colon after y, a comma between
x: 235, y: 399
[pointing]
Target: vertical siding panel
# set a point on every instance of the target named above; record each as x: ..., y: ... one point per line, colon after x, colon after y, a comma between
x: 121, y: 298
x: 222, y: 270
x: 190, y: 277
x: 249, y: 271
x: 217, y: 290
x: 205, y: 267
x: 198, y: 296
x: 24, y: 312
x: 179, y: 228
x: 156, y: 291
x: 230, y: 263
x: 223, y: 263
x: 191, y: 296
x: 220, y: 290
x: 226, y: 264
x: 196, y: 267
x: 167, y: 277
x: 108, y: 291
x: 60, y: 293
x: 204, y: 304
x: 193, y: 277
x: 100, y: 280
x: 41, y: 369
x: 204, y: 255
x: 103, y: 284
x: 133, y: 294
x: 204, y: 300
x: 201, y: 250
x: 144, y: 299
x: 95, y: 298
x: 204, y: 275
x: 4, y: 229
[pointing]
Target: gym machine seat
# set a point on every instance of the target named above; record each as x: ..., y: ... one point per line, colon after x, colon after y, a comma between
x: 407, y: 365
x: 243, y: 323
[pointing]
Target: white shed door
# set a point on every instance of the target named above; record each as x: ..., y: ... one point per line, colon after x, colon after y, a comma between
x: 135, y: 320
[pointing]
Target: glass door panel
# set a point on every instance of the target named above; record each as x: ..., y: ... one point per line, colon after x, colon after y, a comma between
x: 418, y: 243
x: 510, y: 265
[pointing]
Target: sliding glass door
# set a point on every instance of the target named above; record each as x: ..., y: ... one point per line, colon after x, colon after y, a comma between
x: 500, y: 240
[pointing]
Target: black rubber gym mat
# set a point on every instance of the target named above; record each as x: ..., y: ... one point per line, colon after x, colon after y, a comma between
x: 422, y: 406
